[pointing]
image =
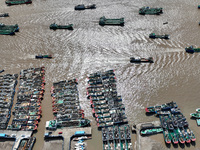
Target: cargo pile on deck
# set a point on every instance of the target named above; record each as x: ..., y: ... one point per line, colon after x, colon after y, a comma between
x: 174, y: 124
x: 27, y: 110
x: 8, y: 83
x: 66, y: 106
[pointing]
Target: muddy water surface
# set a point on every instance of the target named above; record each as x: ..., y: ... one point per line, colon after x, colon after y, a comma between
x: 90, y: 48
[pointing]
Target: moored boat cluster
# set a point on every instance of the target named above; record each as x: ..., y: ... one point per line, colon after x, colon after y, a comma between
x: 66, y: 106
x: 117, y: 137
x: 8, y: 83
x: 174, y: 124
x: 27, y: 111
x: 108, y: 108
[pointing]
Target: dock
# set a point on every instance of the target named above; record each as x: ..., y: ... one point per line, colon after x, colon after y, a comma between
x: 141, y: 140
x: 17, y: 135
x: 64, y: 137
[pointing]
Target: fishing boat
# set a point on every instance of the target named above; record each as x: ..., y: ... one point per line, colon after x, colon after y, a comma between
x: 175, y: 110
x: 122, y: 133
x: 191, y: 134
x: 33, y: 118
x: 7, y: 32
x: 195, y: 115
x: 104, y: 134
x: 29, y: 128
x: 175, y: 123
x: 152, y: 109
x: 74, y: 123
x: 82, y: 138
x: 14, y: 127
x: 198, y: 110
x: 174, y: 137
x: 104, y: 21
x: 110, y: 133
x: 166, y: 136
x: 116, y: 132
x: 14, y: 28
x: 198, y: 122
x: 163, y: 121
x: 191, y: 49
x: 43, y: 56
x: 141, y: 60
x: 181, y: 137
x: 186, y: 135
x: 154, y: 36
x: 32, y: 122
x: 4, y: 15
x: 165, y: 22
x: 55, y: 26
x: 166, y: 106
x: 151, y: 131
x: 150, y: 11
x: 17, y: 2
x: 170, y: 125
x: 83, y: 7
x: 160, y: 112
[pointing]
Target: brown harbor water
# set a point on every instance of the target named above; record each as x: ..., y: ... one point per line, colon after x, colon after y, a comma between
x: 89, y: 48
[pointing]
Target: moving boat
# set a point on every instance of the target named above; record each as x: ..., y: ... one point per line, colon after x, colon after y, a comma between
x: 54, y: 26
x: 103, y: 21
x: 83, y: 7
x: 17, y: 2
x: 141, y: 60
x: 7, y: 32
x: 2, y: 70
x: 154, y: 36
x: 150, y: 11
x: 43, y: 56
x: 191, y: 49
x: 8, y: 28
x: 4, y: 15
